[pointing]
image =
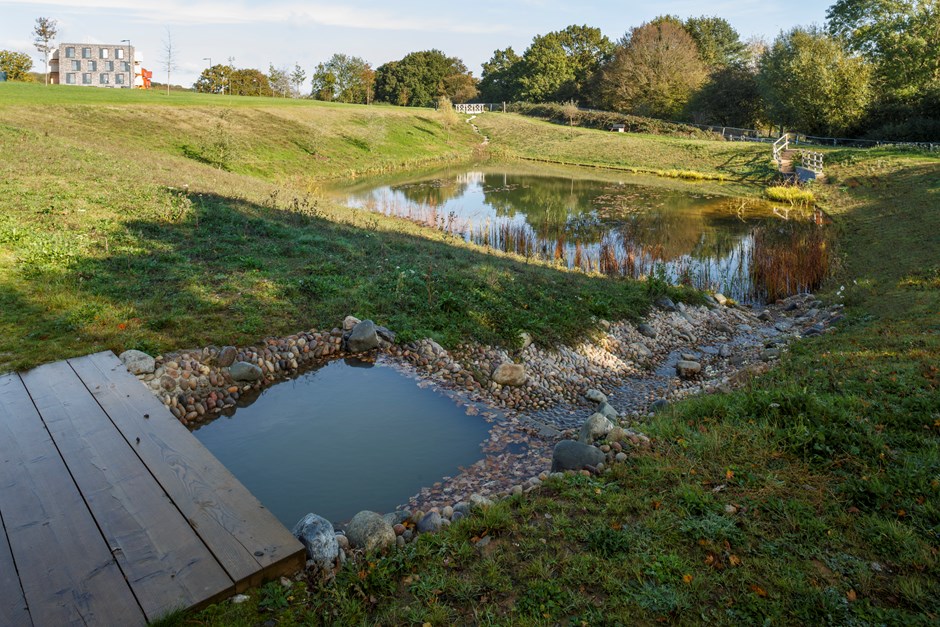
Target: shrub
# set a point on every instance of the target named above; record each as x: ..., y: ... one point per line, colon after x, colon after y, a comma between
x: 791, y: 194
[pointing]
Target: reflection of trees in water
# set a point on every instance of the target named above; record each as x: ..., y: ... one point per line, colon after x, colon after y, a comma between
x: 736, y: 246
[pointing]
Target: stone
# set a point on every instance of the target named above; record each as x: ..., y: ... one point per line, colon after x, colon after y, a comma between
x: 595, y: 396
x: 350, y: 322
x: 447, y: 512
x: 647, y: 330
x: 317, y: 535
x: 525, y: 339
x: 363, y: 337
x: 513, y: 375
x: 594, y: 428
x: 721, y: 299
x: 724, y: 327
x: 615, y: 435
x: 138, y: 362
x: 659, y: 405
x: 385, y: 334
x: 608, y: 411
x: 369, y: 531
x: 430, y: 523
x: 724, y: 351
x: 238, y: 599
x: 641, y: 351
x: 766, y: 316
x: 399, y: 516
x: 621, y: 457
x: 462, y: 508
x: 688, y: 369
x: 243, y: 371
x: 226, y: 356
x: 571, y: 455
x: 478, y: 501
x: 664, y: 302
x: 770, y: 354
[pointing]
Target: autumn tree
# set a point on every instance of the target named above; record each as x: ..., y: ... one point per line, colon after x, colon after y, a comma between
x: 562, y: 65
x: 654, y: 72
x: 719, y: 44
x: 343, y: 78
x: 16, y: 64
x: 44, y: 34
x: 811, y: 83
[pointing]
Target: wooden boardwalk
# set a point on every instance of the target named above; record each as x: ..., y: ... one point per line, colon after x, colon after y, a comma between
x: 112, y: 512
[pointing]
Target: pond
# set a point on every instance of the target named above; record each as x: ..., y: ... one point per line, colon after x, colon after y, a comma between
x: 615, y: 223
x: 349, y: 436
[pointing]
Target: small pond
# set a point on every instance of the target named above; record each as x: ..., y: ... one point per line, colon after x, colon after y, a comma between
x: 615, y: 223
x: 348, y: 436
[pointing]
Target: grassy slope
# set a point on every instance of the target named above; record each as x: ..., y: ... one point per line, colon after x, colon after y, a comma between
x: 114, y: 234
x: 832, y: 463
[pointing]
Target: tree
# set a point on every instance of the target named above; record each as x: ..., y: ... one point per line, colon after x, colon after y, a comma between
x: 45, y: 32
x: 169, y: 59
x: 279, y: 80
x: 17, y: 65
x: 902, y: 37
x: 420, y: 78
x: 344, y: 78
x: 561, y: 65
x: 811, y: 83
x: 249, y: 82
x: 499, y: 81
x: 654, y: 72
x: 213, y: 80
x: 731, y: 97
x: 297, y: 78
x: 718, y: 43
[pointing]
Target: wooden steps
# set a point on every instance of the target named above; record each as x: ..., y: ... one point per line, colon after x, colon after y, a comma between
x: 111, y: 511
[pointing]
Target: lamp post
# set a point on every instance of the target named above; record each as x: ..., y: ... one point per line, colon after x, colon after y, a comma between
x: 130, y: 64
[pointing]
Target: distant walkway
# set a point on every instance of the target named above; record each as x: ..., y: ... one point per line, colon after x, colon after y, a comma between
x: 810, y: 166
x: 112, y: 512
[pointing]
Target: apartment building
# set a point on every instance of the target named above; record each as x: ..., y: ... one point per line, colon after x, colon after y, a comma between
x: 95, y: 65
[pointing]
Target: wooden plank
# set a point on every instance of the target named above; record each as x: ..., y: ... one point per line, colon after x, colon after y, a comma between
x: 166, y: 564
x: 66, y: 569
x: 13, y: 610
x: 245, y: 537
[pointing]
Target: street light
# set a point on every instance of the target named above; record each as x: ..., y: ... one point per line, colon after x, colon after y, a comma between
x: 209, y: 59
x: 130, y: 64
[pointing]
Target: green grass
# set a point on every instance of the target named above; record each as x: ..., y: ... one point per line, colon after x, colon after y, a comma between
x: 791, y: 194
x: 809, y: 497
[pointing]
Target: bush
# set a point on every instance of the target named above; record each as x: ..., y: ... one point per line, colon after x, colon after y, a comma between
x: 791, y: 194
x: 562, y: 114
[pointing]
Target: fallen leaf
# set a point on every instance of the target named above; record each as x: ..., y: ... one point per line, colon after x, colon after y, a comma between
x: 687, y: 578
x: 710, y: 560
x: 729, y: 474
x: 851, y: 596
x: 758, y: 590
x: 735, y: 560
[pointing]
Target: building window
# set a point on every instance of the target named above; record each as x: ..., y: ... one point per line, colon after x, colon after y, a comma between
x: 103, y: 53
x: 86, y: 53
x: 119, y: 53
x: 70, y: 79
x: 127, y: 66
x: 109, y: 66
x: 118, y: 79
x: 86, y: 79
x: 93, y: 66
x: 103, y: 79
x: 70, y: 52
x: 76, y: 65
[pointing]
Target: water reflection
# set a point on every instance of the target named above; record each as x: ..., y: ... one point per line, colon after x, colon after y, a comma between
x: 622, y: 226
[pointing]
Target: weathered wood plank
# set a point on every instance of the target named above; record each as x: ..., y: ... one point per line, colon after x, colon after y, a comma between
x: 166, y: 564
x: 244, y: 536
x: 66, y: 569
x: 13, y: 610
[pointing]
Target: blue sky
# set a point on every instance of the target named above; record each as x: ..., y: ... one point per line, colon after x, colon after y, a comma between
x: 307, y: 32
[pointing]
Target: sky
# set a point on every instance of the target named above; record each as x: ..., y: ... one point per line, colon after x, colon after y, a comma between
x: 284, y: 32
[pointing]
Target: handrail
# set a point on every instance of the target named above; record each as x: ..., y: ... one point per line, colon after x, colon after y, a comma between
x: 812, y: 160
x: 780, y: 146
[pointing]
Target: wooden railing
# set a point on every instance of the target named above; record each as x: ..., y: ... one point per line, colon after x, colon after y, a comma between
x: 781, y: 146
x: 470, y: 108
x: 812, y: 160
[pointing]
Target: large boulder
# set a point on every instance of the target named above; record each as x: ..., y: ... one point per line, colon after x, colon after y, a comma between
x: 594, y: 428
x: 688, y: 369
x: 316, y: 533
x: 572, y: 455
x: 350, y: 322
x: 138, y: 362
x: 244, y: 371
x: 368, y: 530
x: 226, y: 356
x: 510, y: 374
x: 596, y: 396
x: 363, y: 337
x: 647, y: 330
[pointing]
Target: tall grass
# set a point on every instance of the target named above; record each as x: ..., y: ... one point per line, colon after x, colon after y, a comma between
x: 790, y: 193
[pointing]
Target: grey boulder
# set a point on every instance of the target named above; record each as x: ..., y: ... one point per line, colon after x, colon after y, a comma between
x: 572, y: 455
x: 646, y: 330
x: 688, y: 369
x: 594, y: 428
x: 138, y: 362
x: 509, y: 374
x: 596, y: 396
x: 369, y: 531
x: 317, y: 535
x: 429, y: 523
x: 363, y: 337
x: 243, y: 371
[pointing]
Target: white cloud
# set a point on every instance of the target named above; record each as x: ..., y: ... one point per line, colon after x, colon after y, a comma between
x: 197, y: 13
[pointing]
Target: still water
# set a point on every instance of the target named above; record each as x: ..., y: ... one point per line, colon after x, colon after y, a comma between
x: 616, y: 224
x: 346, y: 437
